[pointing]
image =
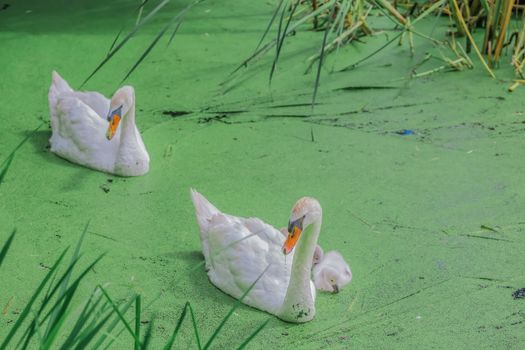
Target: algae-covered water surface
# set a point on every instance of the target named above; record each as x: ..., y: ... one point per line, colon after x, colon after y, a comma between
x: 416, y: 161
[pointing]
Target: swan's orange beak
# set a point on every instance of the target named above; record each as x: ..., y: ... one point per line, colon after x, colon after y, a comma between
x: 114, y: 119
x: 292, y: 239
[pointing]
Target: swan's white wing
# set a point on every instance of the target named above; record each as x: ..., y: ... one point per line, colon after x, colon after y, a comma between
x: 96, y: 101
x: 60, y: 89
x: 239, y: 251
x: 79, y: 134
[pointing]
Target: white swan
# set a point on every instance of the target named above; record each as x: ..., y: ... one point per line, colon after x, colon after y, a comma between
x: 81, y: 132
x: 332, y: 272
x: 237, y: 250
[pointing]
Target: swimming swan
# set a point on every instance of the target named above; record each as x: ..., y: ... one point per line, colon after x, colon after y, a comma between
x: 81, y: 132
x: 238, y: 250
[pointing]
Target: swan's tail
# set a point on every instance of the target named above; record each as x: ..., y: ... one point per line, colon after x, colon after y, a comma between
x: 58, y: 87
x: 204, y: 210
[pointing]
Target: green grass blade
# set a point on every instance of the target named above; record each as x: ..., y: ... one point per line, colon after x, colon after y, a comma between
x: 6, y: 246
x: 296, y: 24
x: 137, y: 321
x: 76, y: 281
x: 485, y: 5
x: 280, y: 38
x: 269, y: 25
x: 181, y: 18
x: 179, y: 22
x: 125, y: 40
x: 22, y: 143
x: 60, y: 301
x: 140, y: 10
x: 431, y: 9
x: 250, y: 338
x: 31, y: 301
x: 114, y: 337
x: 353, y: 65
x: 321, y: 59
x: 120, y: 315
x: 258, y: 52
x: 115, y: 40
x: 195, y: 328
x: 62, y: 314
x: 461, y: 21
x: 34, y: 325
x: 82, y: 321
x: 177, y: 18
x: 112, y: 326
x: 147, y: 336
x: 152, y: 45
x: 7, y: 162
x: 87, y: 337
x: 171, y: 340
x: 63, y: 284
x: 232, y: 310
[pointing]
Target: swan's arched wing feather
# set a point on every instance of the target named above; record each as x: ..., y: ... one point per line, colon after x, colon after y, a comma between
x: 267, y: 232
x: 241, y: 249
x: 96, y: 101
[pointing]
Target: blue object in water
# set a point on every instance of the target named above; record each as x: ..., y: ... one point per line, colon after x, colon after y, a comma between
x: 405, y: 132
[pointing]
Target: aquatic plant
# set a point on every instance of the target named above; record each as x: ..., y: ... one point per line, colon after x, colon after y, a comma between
x: 346, y: 21
x: 51, y: 323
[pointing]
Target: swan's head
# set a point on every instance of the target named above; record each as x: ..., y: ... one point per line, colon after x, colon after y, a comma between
x: 305, y: 212
x: 121, y: 102
x: 332, y: 273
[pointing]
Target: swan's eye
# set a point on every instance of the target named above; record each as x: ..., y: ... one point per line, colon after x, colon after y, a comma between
x: 292, y: 225
x: 114, y: 119
x: 117, y: 111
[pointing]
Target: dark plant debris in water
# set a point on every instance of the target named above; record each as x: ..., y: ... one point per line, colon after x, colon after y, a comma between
x: 215, y: 118
x: 519, y: 294
x: 488, y: 228
x: 104, y: 188
x: 360, y: 88
x: 290, y: 105
x: 176, y: 113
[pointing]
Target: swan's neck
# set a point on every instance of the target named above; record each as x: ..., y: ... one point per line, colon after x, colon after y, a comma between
x: 132, y: 158
x: 299, y: 303
x: 128, y: 135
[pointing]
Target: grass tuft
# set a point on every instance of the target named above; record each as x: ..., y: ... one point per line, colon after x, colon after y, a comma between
x: 58, y: 326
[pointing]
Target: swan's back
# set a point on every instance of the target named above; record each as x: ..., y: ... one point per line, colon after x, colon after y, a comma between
x: 237, y: 250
